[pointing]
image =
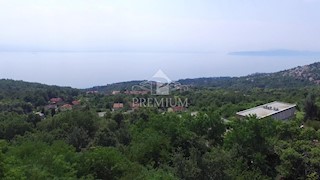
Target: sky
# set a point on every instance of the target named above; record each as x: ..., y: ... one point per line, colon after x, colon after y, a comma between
x: 83, y: 43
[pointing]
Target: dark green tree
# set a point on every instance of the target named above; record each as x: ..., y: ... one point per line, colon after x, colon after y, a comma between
x: 104, y: 163
x: 33, y: 119
x: 310, y: 108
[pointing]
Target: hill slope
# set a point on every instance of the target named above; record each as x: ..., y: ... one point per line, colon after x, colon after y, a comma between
x: 114, y: 87
x: 308, y: 75
x: 35, y: 93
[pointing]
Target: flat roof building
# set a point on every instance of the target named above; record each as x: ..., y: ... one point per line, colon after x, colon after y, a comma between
x: 276, y: 110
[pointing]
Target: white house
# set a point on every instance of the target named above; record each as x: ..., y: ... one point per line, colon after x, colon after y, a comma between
x: 276, y: 110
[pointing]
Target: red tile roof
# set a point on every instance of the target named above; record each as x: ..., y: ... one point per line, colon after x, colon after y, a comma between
x: 117, y: 105
x: 178, y: 108
x: 76, y: 102
x: 66, y: 106
x: 55, y: 100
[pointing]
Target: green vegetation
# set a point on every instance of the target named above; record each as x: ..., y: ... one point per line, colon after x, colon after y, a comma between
x: 151, y: 143
x: 23, y: 98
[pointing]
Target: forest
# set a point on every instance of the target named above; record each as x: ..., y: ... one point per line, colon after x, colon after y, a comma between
x: 149, y: 143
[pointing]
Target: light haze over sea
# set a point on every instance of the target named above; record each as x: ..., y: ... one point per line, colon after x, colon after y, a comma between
x: 83, y: 70
x: 83, y: 43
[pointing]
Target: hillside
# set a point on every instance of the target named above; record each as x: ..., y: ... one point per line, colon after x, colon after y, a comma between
x: 12, y: 89
x: 301, y: 76
x: 115, y: 86
x: 309, y: 73
x: 38, y: 94
x: 19, y: 95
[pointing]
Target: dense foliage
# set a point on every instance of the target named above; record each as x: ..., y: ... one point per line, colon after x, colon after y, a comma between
x: 152, y: 144
x: 22, y: 97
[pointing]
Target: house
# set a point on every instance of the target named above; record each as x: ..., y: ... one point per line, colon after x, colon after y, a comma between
x: 117, y: 106
x: 55, y: 100
x: 116, y: 92
x: 92, y: 92
x: 40, y: 114
x: 102, y: 114
x: 66, y: 107
x: 76, y: 103
x: 276, y: 110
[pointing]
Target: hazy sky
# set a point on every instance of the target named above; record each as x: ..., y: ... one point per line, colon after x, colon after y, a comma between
x: 92, y: 42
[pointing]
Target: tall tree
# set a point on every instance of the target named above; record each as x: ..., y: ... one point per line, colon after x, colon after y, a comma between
x: 310, y: 108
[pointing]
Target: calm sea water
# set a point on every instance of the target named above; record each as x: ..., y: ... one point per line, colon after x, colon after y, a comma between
x: 83, y: 70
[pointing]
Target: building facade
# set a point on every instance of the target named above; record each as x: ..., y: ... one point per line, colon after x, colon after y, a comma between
x: 276, y: 110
